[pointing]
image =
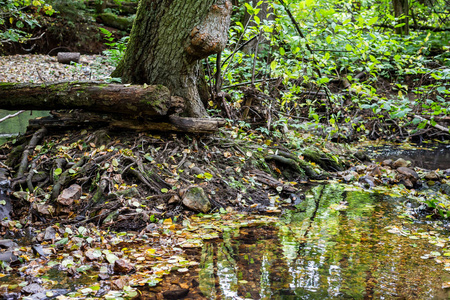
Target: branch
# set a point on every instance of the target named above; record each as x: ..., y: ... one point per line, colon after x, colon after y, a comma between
x: 11, y: 116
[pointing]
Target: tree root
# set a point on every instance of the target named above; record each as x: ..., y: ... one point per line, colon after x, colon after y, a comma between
x: 65, y: 177
x: 38, y: 135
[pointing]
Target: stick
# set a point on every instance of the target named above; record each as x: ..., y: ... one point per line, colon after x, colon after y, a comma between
x: 11, y: 116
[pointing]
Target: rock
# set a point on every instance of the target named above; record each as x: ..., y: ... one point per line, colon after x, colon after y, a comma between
x: 367, y: 181
x: 92, y: 255
x: 174, y: 199
x: 8, y: 256
x: 361, y: 155
x: 49, y: 234
x: 8, y: 244
x: 38, y: 250
x: 387, y: 162
x: 102, y: 277
x: 376, y: 172
x: 175, y: 294
x: 69, y: 195
x: 11, y: 296
x: 432, y: 176
x: 408, y: 176
x: 5, y: 207
x: 32, y: 288
x: 44, y: 209
x: 44, y: 295
x: 447, y: 172
x: 120, y: 283
x: 121, y: 266
x: 348, y: 178
x: 399, y: 163
x: 195, y: 199
x: 20, y: 195
x: 408, y: 172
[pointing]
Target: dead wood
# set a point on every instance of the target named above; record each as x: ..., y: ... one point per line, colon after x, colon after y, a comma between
x: 133, y: 100
x: 28, y: 150
x: 64, y: 120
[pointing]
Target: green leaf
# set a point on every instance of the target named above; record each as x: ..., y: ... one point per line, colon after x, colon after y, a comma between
x: 348, y: 47
x: 372, y: 21
x: 57, y: 171
x: 273, y: 65
x: 164, y: 190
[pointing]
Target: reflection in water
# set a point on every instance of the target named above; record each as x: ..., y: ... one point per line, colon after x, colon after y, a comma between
x: 18, y: 124
x: 335, y: 245
x: 427, y: 158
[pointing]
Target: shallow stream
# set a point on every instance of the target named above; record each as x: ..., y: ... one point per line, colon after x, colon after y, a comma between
x: 337, y: 245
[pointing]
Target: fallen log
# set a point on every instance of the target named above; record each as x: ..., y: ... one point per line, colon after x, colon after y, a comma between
x: 69, y: 120
x: 123, y: 99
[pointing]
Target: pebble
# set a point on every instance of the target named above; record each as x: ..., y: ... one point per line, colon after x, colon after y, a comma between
x: 40, y: 68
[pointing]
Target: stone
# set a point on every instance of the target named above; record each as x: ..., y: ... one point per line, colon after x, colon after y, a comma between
x: 44, y: 209
x: 195, y: 199
x: 399, y: 163
x: 8, y: 256
x: 38, y: 250
x: 8, y: 244
x: 175, y: 294
x: 367, y: 181
x: 69, y: 195
x: 376, y: 172
x: 432, y: 176
x: 407, y: 176
x: 102, y: 277
x: 32, y: 288
x: 120, y: 283
x: 49, y: 234
x: 121, y: 266
x: 408, y: 172
x: 92, y: 255
x: 21, y: 195
x: 387, y: 162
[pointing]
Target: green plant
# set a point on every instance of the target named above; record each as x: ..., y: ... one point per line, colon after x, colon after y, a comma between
x: 117, y: 49
x: 17, y: 16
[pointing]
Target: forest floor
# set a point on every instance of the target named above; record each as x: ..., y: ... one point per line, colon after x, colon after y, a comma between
x: 80, y: 195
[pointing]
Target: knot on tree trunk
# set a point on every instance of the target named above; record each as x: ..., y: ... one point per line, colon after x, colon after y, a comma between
x: 211, y: 35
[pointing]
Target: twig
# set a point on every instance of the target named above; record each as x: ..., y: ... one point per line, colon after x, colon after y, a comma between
x: 247, y: 83
x: 442, y: 128
x: 255, y: 58
x: 11, y: 116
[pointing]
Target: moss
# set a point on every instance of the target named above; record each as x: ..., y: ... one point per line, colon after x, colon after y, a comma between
x: 324, y: 160
x: 116, y: 22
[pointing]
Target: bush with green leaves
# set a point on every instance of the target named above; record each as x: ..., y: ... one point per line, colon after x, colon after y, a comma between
x: 346, y: 52
x: 16, y: 16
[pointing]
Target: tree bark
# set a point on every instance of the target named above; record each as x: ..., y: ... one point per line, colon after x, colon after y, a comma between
x: 137, y: 101
x: 401, y: 8
x: 167, y: 40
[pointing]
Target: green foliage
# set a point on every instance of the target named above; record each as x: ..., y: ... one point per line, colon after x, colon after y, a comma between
x: 117, y: 49
x: 18, y: 15
x: 350, y: 46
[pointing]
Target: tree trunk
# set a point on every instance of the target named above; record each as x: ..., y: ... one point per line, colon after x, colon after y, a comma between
x: 145, y: 101
x: 401, y: 8
x: 167, y: 40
